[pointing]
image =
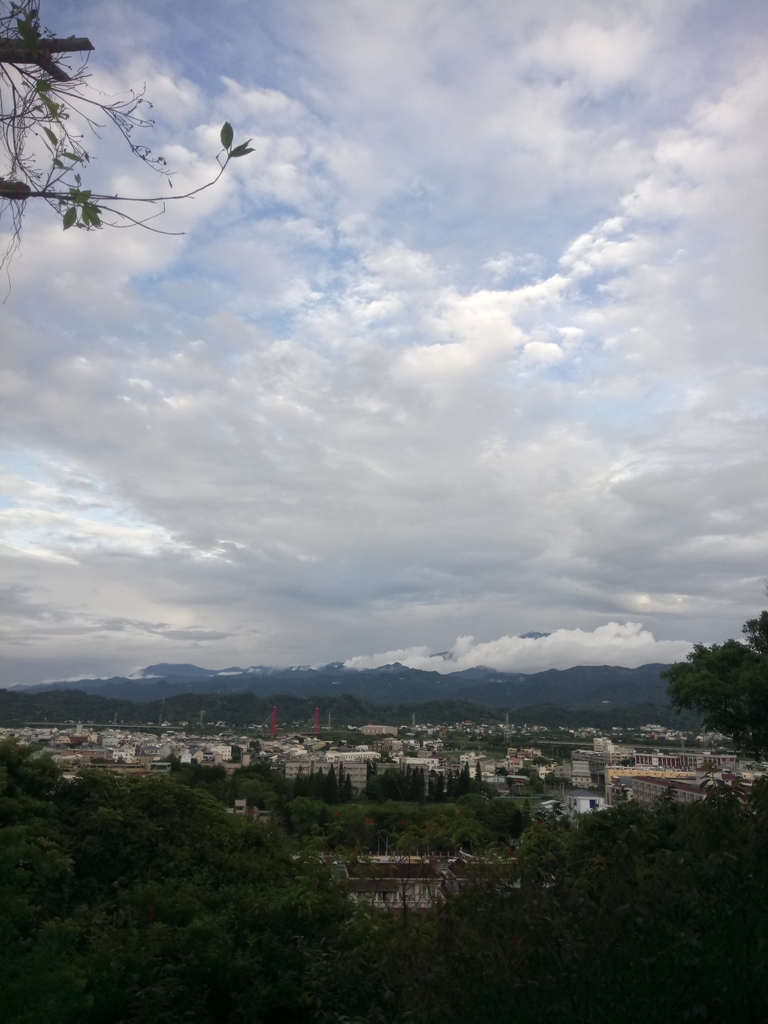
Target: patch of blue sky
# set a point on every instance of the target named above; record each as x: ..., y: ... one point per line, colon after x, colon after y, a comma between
x: 594, y: 291
x: 109, y: 515
x: 213, y: 280
x: 23, y: 464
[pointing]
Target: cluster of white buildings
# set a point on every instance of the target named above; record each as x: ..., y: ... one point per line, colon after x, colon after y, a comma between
x: 596, y: 777
x: 624, y: 773
x: 126, y: 750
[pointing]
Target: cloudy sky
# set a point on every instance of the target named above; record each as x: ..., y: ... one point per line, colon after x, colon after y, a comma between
x: 474, y: 343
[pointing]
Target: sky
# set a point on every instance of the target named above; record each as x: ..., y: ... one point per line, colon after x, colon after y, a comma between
x: 472, y: 344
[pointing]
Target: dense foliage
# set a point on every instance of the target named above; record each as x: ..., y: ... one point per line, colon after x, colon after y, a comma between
x: 140, y: 901
x: 634, y: 917
x: 728, y: 684
x: 240, y: 710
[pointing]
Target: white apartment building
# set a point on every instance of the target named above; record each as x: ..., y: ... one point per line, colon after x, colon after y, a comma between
x: 311, y: 764
x: 580, y: 773
x: 429, y: 764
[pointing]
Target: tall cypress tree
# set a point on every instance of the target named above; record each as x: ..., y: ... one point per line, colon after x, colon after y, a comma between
x: 331, y: 786
x: 439, y: 788
x: 464, y: 781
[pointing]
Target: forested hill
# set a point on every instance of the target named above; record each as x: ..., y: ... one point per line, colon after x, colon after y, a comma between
x: 580, y: 687
x: 241, y: 710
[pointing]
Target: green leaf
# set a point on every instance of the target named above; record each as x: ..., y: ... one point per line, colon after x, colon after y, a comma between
x: 42, y: 86
x: 226, y: 135
x: 69, y: 217
x: 72, y: 156
x: 51, y: 137
x: 58, y: 164
x: 241, y: 150
x: 29, y: 32
x: 91, y: 215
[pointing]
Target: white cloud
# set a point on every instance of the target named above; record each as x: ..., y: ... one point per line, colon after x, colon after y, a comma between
x: 612, y: 644
x: 475, y: 337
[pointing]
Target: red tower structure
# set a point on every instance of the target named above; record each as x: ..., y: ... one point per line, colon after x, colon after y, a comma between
x: 317, y: 720
x: 274, y: 719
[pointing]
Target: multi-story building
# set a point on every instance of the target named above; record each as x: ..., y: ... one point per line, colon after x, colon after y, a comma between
x: 581, y: 774
x: 691, y: 760
x: 613, y: 772
x: 388, y: 745
x: 357, y: 770
x: 619, y: 790
x: 429, y: 764
x: 649, y: 789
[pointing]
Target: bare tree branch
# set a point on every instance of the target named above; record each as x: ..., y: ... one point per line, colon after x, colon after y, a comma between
x: 41, y: 154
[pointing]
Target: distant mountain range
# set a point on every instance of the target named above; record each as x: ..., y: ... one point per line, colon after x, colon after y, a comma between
x: 245, y: 710
x: 579, y: 687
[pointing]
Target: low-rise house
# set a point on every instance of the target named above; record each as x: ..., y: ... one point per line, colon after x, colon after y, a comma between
x: 400, y: 884
x: 242, y: 806
x: 549, y: 807
x: 581, y: 801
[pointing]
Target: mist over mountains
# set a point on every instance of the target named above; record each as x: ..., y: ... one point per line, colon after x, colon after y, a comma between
x: 578, y: 687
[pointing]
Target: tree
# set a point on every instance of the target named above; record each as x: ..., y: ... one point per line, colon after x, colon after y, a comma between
x: 42, y: 154
x: 463, y: 783
x: 346, y: 789
x: 728, y: 685
x: 331, y: 786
